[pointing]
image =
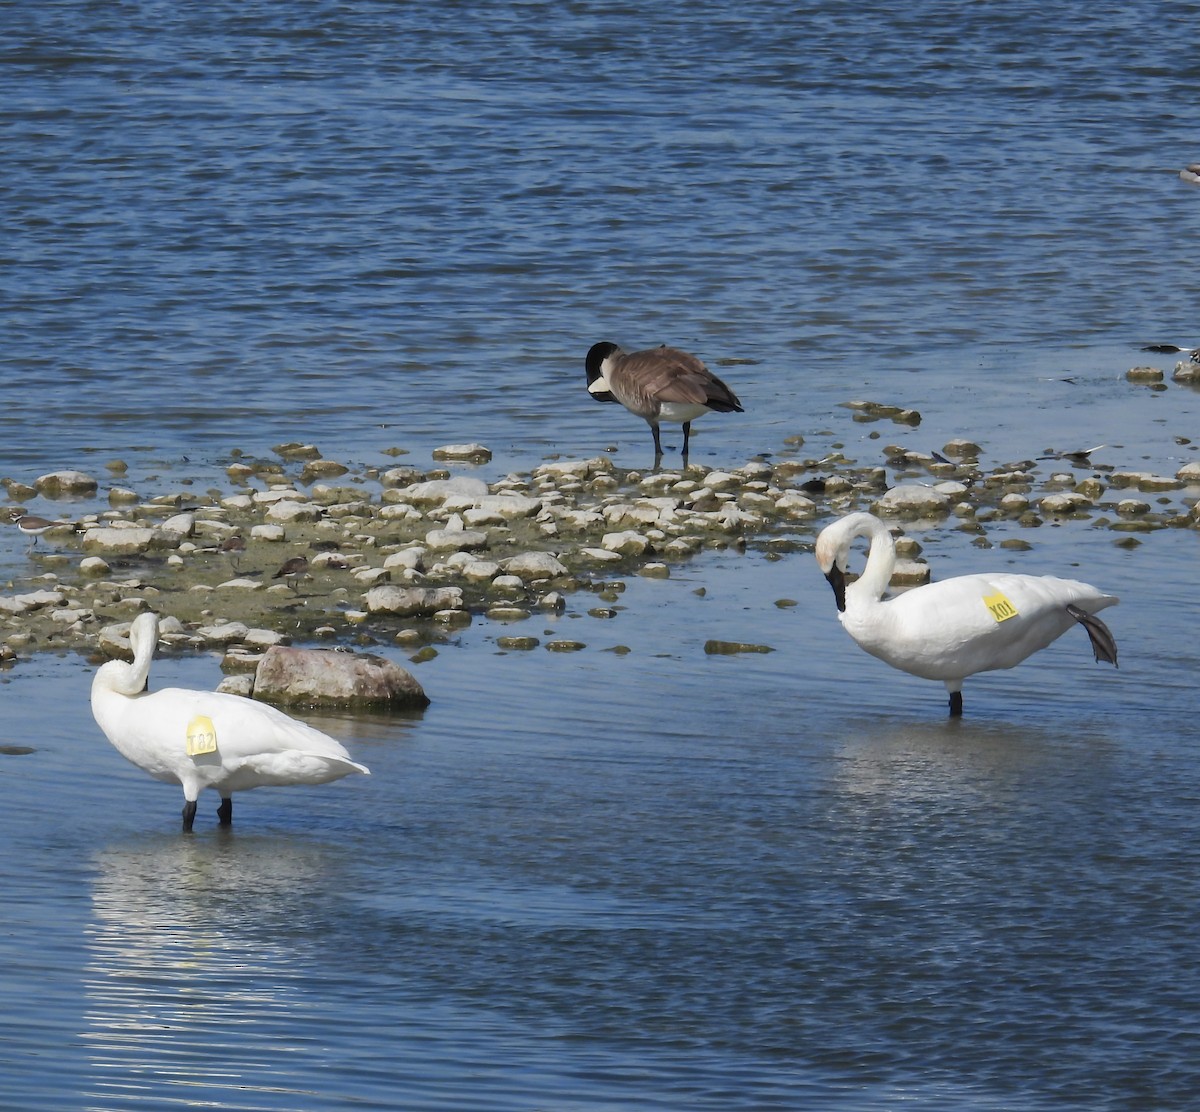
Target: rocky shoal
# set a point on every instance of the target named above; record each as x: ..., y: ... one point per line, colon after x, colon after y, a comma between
x: 301, y: 548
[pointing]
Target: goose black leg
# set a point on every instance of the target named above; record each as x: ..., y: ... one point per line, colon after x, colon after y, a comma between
x: 657, y: 443
x: 225, y: 812
x: 955, y: 704
x: 189, y: 815
x: 687, y: 433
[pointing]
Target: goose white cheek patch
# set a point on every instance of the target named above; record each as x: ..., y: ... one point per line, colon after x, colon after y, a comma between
x: 999, y: 606
x: 201, y: 736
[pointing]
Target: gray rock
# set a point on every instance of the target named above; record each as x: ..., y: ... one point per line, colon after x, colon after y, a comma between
x: 127, y: 542
x: 237, y: 685
x: 59, y: 483
x: 534, y: 565
x: 914, y: 498
x: 289, y: 510
x: 35, y: 600
x: 435, y: 491
x: 475, y: 452
x: 407, y: 602
x: 322, y: 677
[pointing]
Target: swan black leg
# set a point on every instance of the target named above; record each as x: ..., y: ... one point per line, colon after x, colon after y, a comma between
x: 955, y: 704
x: 225, y: 812
x: 189, y: 815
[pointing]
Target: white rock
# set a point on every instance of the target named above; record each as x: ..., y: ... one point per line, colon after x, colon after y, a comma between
x: 600, y: 555
x: 399, y: 511
x: 123, y: 541
x: 371, y: 577
x: 273, y: 533
x: 720, y: 480
x: 409, y: 601
x: 237, y: 685
x: 291, y: 511
x: 278, y: 494
x: 1063, y: 502
x: 580, y: 468
x: 65, y: 482
x: 224, y: 633
x: 463, y: 451
x: 264, y: 638
x: 183, y: 524
x: 413, y: 558
x: 627, y: 542
x: 20, y: 604
x: 534, y: 565
x: 94, y: 565
x: 433, y: 492
x: 795, y: 505
x: 913, y: 498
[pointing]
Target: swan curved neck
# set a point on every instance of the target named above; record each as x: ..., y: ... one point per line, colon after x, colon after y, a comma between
x: 881, y: 562
x: 128, y: 679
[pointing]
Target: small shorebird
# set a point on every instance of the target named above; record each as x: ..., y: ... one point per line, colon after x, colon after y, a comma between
x: 659, y: 384
x: 233, y: 547
x: 207, y: 739
x: 33, y: 526
x: 292, y: 571
x: 956, y: 627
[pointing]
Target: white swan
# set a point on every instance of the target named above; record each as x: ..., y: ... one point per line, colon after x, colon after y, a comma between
x: 659, y: 384
x: 206, y: 739
x: 953, y: 629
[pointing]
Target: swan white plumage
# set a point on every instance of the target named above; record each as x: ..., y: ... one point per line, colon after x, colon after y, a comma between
x: 659, y: 384
x: 954, y: 628
x: 249, y: 744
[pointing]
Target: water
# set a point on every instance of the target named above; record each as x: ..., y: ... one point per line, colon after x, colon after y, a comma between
x: 660, y: 879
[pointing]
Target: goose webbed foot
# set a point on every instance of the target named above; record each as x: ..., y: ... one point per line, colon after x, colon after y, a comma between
x: 1104, y: 645
x: 189, y: 815
x: 225, y: 812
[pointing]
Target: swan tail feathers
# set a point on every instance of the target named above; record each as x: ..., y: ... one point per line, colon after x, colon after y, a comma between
x: 1104, y: 645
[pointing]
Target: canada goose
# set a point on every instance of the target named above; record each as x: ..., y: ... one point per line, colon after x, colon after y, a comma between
x: 954, y: 628
x: 658, y: 384
x: 206, y: 739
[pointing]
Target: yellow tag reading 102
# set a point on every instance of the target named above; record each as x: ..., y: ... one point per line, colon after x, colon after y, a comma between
x: 201, y: 736
x: 1000, y: 607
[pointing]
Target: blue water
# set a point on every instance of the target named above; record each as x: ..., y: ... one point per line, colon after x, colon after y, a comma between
x: 595, y: 880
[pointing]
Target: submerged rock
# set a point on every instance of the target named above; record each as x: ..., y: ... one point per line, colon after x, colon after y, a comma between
x: 325, y: 677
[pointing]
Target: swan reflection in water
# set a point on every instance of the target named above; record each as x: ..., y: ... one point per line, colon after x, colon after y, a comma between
x: 191, y: 979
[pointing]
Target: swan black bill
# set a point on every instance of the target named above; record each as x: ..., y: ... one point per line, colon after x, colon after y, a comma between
x: 837, y: 580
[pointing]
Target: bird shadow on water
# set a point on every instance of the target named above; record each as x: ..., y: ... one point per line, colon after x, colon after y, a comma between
x: 950, y: 757
x: 189, y: 936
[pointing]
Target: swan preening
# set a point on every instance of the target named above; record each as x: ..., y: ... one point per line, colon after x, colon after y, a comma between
x: 659, y: 384
x: 207, y: 739
x: 954, y: 628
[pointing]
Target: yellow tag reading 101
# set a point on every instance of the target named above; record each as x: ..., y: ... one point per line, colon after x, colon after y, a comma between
x: 201, y: 736
x: 1000, y: 607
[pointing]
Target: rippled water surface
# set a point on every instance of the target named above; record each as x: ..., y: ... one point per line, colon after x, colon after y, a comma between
x: 653, y: 879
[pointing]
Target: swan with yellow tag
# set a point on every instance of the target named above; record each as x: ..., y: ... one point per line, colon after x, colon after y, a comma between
x: 954, y: 628
x: 207, y: 739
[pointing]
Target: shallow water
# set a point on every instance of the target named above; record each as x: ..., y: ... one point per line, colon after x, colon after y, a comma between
x: 598, y: 880
x: 657, y: 879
